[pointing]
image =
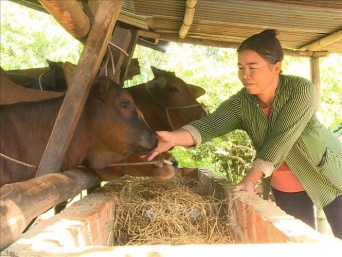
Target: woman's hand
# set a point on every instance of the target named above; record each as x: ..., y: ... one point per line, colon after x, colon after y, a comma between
x: 249, y: 181
x: 166, y: 142
x: 245, y: 185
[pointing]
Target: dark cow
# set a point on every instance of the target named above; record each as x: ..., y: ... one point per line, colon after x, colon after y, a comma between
x: 109, y: 129
x: 11, y: 93
x: 49, y: 78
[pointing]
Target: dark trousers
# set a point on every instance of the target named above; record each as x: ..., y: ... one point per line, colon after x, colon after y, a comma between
x: 333, y: 212
x: 300, y: 206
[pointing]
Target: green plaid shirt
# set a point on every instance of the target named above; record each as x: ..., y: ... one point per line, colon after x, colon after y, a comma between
x: 292, y: 133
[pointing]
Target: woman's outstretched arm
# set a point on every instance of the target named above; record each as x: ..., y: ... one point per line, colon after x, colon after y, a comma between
x: 168, y: 139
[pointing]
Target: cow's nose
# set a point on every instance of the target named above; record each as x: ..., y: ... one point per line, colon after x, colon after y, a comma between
x: 174, y: 163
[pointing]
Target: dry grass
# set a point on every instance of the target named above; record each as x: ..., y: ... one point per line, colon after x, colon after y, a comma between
x: 170, y: 212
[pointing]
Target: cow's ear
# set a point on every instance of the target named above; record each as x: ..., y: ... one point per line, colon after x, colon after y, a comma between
x: 156, y: 72
x: 197, y: 91
x: 161, y: 73
x: 100, y: 89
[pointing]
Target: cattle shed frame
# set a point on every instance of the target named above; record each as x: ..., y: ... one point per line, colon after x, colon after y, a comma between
x: 307, y: 28
x: 214, y: 23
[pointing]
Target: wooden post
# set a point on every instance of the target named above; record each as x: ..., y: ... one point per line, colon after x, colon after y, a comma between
x: 118, y: 45
x: 315, y: 78
x: 321, y: 221
x: 125, y: 67
x: 81, y: 82
x: 21, y: 202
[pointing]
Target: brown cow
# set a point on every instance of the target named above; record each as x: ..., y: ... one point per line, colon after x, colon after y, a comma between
x: 109, y: 129
x: 167, y: 102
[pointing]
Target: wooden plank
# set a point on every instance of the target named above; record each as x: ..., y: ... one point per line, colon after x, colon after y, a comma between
x: 125, y: 37
x: 81, y: 82
x: 126, y: 65
x: 21, y: 202
x: 118, y: 46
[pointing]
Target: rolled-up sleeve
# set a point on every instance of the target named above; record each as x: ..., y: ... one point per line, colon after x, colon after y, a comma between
x: 194, y: 133
x: 263, y: 166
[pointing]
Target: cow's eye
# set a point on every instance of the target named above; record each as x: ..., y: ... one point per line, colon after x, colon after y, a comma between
x: 125, y: 104
x: 172, y: 89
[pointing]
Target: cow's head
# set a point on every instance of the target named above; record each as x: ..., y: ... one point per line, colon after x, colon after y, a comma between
x: 114, y: 124
x: 176, y: 98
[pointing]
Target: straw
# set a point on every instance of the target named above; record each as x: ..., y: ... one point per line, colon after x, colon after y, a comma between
x: 167, y: 212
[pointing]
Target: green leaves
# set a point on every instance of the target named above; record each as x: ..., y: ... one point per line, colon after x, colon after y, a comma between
x: 29, y: 37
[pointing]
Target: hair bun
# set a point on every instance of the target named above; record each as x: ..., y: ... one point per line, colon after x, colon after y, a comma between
x: 270, y: 32
x: 266, y: 44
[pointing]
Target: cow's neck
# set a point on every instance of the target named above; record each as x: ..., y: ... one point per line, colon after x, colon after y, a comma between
x: 82, y: 151
x: 153, y: 112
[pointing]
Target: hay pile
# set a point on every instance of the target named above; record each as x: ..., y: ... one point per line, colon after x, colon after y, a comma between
x: 153, y: 212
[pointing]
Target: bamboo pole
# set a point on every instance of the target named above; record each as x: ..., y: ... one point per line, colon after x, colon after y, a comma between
x: 315, y: 78
x: 322, y: 42
x: 188, y: 18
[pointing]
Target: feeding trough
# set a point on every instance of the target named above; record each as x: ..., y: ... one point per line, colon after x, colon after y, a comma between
x: 105, y: 222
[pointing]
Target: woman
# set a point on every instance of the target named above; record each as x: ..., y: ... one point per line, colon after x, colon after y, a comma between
x: 278, y: 113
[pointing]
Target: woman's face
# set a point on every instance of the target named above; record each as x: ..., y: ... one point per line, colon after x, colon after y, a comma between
x: 256, y: 74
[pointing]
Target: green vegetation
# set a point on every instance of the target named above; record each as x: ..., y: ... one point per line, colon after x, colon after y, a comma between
x: 28, y: 38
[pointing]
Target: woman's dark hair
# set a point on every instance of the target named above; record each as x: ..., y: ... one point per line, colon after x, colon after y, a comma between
x: 265, y: 44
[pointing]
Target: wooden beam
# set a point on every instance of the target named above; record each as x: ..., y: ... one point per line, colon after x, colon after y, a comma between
x: 21, y: 202
x: 308, y: 54
x: 223, y: 44
x: 70, y: 15
x: 323, y: 42
x: 81, y: 83
x: 196, y: 41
